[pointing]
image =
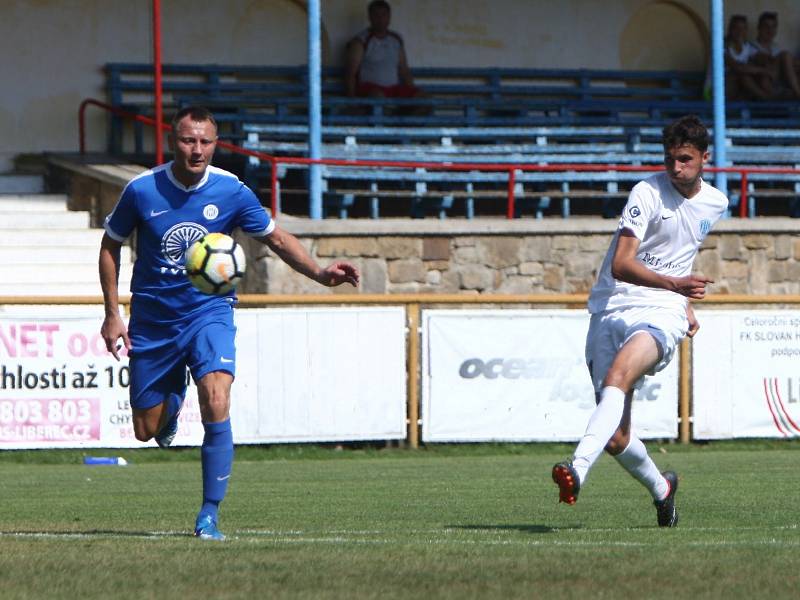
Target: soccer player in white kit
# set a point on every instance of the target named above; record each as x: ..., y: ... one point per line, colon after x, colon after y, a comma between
x: 640, y: 310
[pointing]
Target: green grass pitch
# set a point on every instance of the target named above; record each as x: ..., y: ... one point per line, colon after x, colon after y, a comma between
x: 446, y: 522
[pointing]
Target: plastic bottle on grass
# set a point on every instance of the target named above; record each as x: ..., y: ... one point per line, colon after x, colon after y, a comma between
x: 104, y: 460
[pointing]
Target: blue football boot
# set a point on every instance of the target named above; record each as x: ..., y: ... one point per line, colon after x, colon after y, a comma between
x: 205, y: 528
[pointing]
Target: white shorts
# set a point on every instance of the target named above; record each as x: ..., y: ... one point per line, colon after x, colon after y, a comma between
x: 610, y: 330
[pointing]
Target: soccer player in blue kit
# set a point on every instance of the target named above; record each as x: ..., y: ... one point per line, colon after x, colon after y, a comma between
x: 172, y: 325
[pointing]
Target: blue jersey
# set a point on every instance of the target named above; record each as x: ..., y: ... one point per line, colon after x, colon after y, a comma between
x: 168, y: 218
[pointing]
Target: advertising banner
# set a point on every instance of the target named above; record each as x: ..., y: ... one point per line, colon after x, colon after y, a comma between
x: 321, y: 374
x: 515, y: 375
x: 302, y: 374
x: 746, y: 381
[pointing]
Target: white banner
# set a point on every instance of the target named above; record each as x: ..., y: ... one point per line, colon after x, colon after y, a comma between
x: 746, y: 381
x: 320, y: 374
x: 324, y: 374
x: 511, y: 375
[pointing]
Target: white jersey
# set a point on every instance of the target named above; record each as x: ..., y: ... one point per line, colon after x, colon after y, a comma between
x: 670, y: 229
x: 773, y: 50
x: 381, y: 58
x: 744, y: 55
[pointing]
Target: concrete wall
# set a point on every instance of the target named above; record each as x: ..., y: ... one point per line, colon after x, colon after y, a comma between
x: 55, y: 49
x: 758, y: 256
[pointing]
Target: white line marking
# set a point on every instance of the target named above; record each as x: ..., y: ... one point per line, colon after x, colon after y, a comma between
x: 402, y: 537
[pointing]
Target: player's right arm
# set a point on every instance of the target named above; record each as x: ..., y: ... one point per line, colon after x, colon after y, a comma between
x: 694, y: 324
x: 626, y: 267
x: 113, y: 327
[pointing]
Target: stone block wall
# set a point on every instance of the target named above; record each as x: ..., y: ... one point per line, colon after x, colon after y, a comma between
x: 743, y: 256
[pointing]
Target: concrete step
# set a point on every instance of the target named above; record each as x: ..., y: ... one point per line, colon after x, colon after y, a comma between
x: 44, y: 219
x: 45, y: 274
x: 57, y: 254
x: 11, y: 183
x: 76, y: 236
x: 33, y: 202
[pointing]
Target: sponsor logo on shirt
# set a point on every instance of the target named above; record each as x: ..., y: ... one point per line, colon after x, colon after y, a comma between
x: 177, y: 240
x: 653, y: 261
x: 634, y: 211
x: 705, y: 226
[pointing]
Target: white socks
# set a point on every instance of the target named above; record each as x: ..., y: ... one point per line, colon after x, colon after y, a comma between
x: 602, y: 424
x: 638, y: 463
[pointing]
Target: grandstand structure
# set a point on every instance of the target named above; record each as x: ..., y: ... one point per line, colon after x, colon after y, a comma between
x: 480, y: 116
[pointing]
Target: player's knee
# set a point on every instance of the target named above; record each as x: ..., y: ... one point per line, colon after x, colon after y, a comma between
x: 214, y: 405
x: 618, y: 379
x: 143, y: 434
x: 217, y: 402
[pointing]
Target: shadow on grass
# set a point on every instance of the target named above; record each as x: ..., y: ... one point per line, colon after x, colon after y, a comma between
x: 538, y: 529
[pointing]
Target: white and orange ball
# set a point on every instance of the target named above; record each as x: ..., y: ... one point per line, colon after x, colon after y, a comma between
x: 215, y: 264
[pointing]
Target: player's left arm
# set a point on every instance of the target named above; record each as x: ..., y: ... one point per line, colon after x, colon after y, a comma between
x: 292, y: 252
x: 625, y: 267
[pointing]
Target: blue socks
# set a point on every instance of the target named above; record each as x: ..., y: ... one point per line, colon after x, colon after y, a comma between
x: 217, y: 460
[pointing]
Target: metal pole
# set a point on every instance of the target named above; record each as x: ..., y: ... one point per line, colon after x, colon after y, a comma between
x: 413, y: 313
x: 718, y: 70
x: 684, y: 393
x: 512, y: 183
x: 159, y: 114
x: 314, y: 110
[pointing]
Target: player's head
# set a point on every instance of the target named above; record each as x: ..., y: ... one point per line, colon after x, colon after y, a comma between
x: 685, y: 151
x: 767, y: 26
x: 737, y: 28
x: 379, y: 13
x: 193, y: 140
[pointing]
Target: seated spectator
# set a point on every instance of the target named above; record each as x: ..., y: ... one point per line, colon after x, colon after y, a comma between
x: 784, y: 77
x: 743, y: 80
x: 376, y: 59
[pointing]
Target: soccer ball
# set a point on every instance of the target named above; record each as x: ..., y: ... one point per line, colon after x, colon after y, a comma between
x: 215, y: 263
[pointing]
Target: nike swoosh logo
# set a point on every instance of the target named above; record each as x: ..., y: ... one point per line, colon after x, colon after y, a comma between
x: 224, y: 477
x: 225, y: 360
x: 154, y: 213
x: 663, y: 218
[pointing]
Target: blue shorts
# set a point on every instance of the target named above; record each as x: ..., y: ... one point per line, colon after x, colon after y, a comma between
x: 158, y: 367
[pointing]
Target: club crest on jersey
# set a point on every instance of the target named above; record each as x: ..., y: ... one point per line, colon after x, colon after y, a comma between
x: 210, y: 212
x: 634, y: 211
x: 705, y: 226
x: 178, y: 239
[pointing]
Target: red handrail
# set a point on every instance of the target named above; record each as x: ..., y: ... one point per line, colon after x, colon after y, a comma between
x: 511, y: 169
